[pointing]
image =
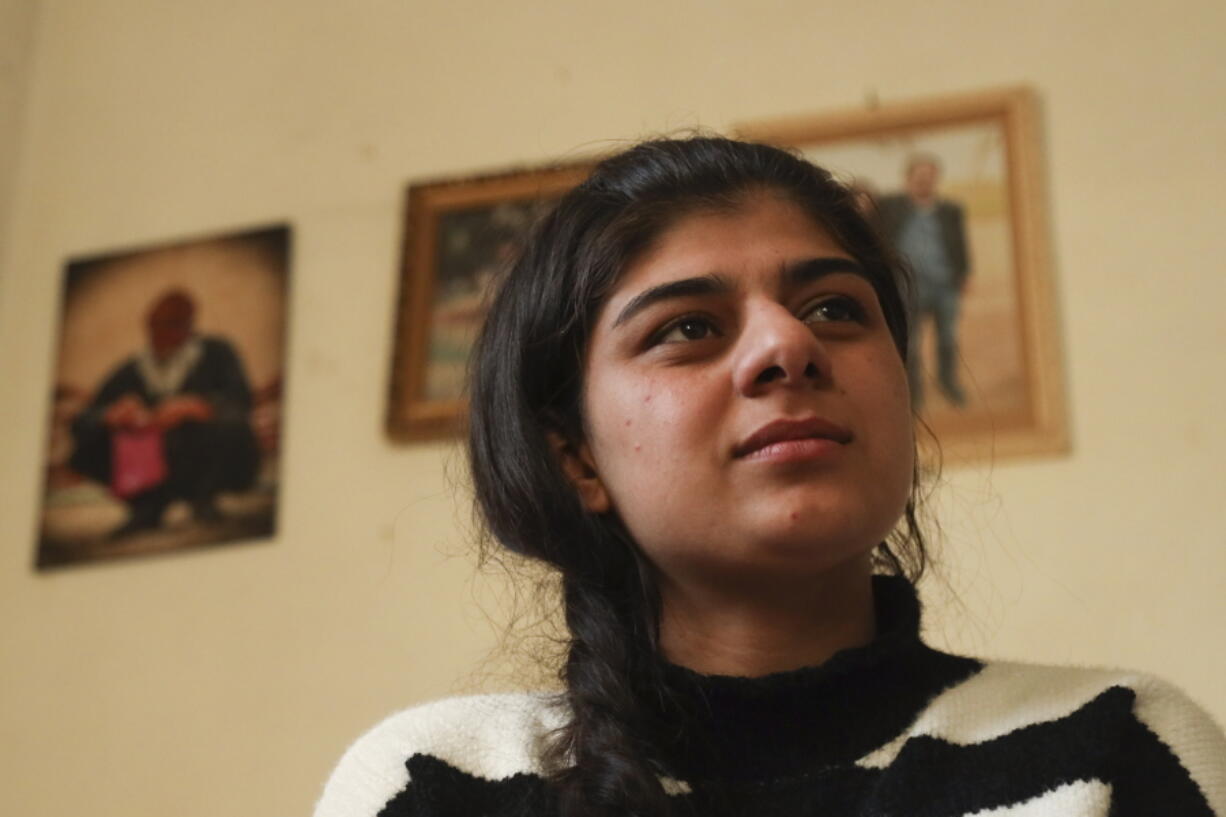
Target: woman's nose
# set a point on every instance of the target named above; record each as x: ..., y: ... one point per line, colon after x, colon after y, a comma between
x: 777, y: 348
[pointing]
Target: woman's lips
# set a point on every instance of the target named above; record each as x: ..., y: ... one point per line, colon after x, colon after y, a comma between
x: 788, y: 439
x: 808, y: 448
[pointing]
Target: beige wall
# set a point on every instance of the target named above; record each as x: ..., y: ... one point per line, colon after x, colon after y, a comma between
x: 17, y: 21
x: 228, y: 681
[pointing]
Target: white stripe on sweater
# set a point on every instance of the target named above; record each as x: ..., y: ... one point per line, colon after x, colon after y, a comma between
x: 1004, y: 697
x: 1081, y: 798
x: 488, y: 736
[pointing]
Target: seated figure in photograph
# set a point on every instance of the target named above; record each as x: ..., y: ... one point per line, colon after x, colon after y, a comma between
x: 172, y: 421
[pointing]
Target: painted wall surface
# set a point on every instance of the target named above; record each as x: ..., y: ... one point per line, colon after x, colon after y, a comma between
x: 228, y: 682
x: 17, y: 20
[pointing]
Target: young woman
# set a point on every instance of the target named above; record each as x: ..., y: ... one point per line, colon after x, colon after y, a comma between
x: 690, y: 399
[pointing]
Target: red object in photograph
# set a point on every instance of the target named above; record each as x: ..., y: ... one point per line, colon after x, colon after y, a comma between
x: 138, y: 462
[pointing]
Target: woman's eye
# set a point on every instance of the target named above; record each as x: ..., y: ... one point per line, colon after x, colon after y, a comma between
x: 691, y: 328
x: 839, y: 308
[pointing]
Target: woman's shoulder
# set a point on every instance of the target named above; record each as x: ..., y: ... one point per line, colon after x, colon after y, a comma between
x: 1006, y: 695
x: 486, y: 736
x: 1078, y: 717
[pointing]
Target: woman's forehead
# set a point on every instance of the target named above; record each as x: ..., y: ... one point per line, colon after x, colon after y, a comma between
x: 762, y: 239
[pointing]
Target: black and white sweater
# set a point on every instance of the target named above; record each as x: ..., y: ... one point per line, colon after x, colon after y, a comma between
x: 894, y: 728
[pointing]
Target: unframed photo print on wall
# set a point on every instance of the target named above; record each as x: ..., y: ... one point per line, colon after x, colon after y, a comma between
x: 166, y: 406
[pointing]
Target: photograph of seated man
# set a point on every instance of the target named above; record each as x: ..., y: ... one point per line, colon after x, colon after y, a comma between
x: 172, y: 421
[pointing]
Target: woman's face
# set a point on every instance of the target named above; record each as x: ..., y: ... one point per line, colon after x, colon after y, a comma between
x: 747, y: 414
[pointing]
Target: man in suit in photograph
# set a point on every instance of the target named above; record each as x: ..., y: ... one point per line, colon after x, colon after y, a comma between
x: 929, y: 232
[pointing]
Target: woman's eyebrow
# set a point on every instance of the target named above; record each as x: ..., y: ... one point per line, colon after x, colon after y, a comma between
x: 793, y: 274
x: 712, y: 284
x: 811, y: 269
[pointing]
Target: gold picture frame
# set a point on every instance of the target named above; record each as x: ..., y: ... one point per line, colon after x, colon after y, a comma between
x: 987, y: 149
x: 457, y: 234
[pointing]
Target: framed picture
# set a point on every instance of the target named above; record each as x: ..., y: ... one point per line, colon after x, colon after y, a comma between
x: 956, y: 186
x: 458, y: 233
x: 166, y: 406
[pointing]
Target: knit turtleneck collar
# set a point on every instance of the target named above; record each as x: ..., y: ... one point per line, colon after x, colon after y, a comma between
x: 791, y: 723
